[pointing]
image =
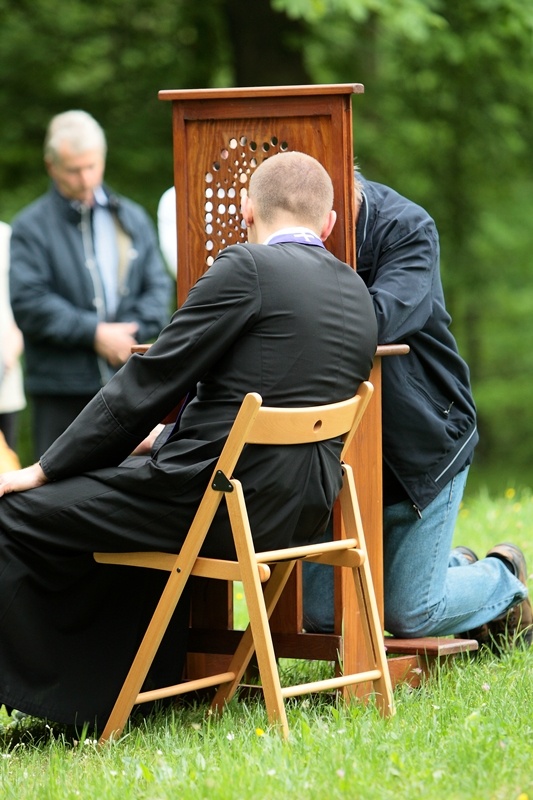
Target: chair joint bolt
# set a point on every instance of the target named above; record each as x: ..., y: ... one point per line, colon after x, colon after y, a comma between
x: 221, y: 483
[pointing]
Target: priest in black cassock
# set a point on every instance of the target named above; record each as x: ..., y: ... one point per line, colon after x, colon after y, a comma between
x: 280, y: 316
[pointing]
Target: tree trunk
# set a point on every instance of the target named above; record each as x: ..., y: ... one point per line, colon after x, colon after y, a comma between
x: 267, y: 46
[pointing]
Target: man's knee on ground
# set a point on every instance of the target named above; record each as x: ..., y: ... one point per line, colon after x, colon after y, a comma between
x: 405, y: 620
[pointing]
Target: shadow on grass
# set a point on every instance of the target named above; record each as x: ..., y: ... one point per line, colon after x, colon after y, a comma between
x: 33, y: 732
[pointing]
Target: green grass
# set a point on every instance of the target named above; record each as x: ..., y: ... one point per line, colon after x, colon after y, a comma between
x: 488, y: 519
x: 466, y: 734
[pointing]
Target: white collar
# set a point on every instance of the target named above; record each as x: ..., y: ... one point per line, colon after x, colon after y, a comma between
x: 100, y: 197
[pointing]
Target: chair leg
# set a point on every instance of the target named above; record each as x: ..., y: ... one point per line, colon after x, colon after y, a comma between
x: 246, y: 646
x: 374, y: 637
x: 366, y: 598
x: 145, y: 656
x: 255, y: 601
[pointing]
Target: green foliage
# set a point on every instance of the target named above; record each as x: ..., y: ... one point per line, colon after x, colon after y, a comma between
x: 110, y: 58
x: 414, y: 19
x: 446, y: 118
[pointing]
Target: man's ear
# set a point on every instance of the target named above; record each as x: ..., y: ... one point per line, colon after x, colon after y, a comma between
x: 247, y: 210
x: 327, y: 227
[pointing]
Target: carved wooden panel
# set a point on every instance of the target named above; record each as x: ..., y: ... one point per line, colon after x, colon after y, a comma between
x: 221, y: 135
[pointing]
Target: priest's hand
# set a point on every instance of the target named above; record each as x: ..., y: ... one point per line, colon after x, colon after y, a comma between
x: 20, y: 480
x: 144, y: 448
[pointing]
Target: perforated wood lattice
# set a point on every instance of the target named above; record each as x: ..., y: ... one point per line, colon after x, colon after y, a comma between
x: 226, y: 179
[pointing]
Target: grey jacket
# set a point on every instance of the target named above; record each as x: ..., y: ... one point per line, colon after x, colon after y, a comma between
x: 56, y: 299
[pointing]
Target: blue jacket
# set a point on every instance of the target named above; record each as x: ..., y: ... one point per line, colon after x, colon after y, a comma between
x: 429, y: 416
x: 55, y: 299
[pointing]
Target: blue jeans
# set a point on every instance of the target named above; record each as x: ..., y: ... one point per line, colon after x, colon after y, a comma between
x: 430, y: 590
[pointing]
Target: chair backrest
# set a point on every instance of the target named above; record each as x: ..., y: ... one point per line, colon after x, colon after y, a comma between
x: 266, y: 425
x: 314, y: 424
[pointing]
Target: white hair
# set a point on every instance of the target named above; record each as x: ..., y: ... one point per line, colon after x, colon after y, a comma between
x: 76, y: 128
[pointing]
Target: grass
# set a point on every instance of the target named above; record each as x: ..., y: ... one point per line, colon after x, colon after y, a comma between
x: 466, y: 734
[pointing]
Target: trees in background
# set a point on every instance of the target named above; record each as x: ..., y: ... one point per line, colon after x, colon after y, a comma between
x: 446, y: 119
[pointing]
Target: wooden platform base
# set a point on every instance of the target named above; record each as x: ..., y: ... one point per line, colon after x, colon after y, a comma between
x: 411, y: 660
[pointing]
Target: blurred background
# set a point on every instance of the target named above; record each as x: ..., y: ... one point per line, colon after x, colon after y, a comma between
x: 446, y: 119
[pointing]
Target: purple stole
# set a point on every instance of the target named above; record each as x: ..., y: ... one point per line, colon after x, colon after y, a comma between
x: 301, y: 237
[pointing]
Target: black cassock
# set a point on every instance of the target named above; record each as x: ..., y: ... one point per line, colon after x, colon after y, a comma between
x: 289, y: 321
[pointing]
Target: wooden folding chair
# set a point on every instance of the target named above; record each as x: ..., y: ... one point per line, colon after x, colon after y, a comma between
x: 259, y: 425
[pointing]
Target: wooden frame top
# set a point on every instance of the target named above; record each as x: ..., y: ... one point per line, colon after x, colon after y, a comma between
x: 261, y: 91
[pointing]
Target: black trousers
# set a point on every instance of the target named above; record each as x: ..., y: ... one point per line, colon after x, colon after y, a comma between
x: 9, y: 427
x: 69, y: 627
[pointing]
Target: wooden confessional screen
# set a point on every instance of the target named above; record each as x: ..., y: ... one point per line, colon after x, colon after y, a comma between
x: 219, y: 137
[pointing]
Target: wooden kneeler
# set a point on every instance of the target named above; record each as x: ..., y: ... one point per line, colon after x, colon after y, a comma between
x: 259, y: 425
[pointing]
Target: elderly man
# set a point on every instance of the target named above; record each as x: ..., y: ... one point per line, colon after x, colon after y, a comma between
x: 264, y: 318
x: 87, y: 278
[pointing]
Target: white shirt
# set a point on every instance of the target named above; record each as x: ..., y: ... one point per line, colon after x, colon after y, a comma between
x: 166, y: 228
x: 106, y: 250
x: 11, y: 386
